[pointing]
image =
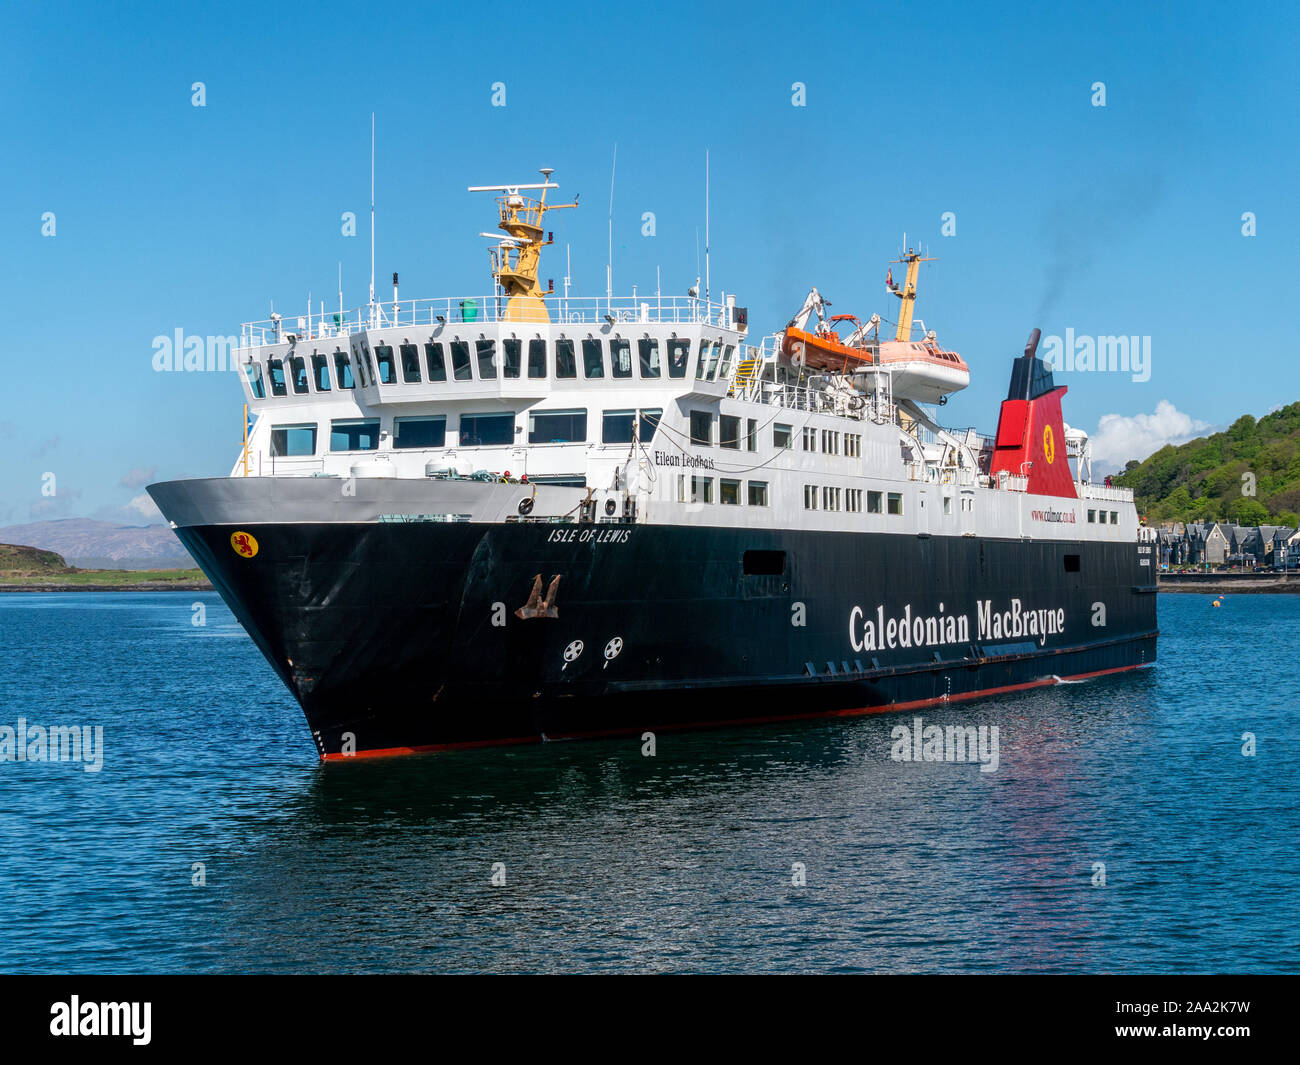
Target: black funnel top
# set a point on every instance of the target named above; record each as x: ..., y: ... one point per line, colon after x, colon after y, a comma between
x: 1030, y: 377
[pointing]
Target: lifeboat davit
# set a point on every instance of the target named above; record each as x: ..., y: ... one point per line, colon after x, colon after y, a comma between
x: 825, y: 350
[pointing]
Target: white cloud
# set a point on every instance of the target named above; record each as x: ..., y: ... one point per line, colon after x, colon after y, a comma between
x: 1119, y: 437
x: 146, y: 506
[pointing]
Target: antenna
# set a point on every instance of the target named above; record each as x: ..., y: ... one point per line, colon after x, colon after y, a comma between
x: 706, y: 225
x: 340, y: 294
x: 372, y: 211
x: 609, y: 263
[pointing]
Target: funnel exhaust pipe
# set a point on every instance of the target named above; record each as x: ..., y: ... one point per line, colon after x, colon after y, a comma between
x: 1031, y: 347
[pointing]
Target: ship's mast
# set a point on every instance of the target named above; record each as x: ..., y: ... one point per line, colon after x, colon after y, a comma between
x: 517, y: 257
x: 908, y: 293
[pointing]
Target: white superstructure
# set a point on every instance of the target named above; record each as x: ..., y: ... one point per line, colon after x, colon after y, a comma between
x: 651, y: 408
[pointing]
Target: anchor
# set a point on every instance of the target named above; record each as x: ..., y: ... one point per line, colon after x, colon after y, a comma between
x: 537, y: 607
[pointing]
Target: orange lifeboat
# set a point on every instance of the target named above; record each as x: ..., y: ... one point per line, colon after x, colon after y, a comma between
x: 825, y: 350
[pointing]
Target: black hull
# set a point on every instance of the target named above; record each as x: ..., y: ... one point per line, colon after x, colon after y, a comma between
x: 397, y: 637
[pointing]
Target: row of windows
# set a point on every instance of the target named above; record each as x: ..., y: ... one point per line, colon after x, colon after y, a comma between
x: 474, y: 430
x: 830, y: 442
x: 730, y: 492
x: 731, y: 432
x: 1098, y: 517
x: 464, y: 360
x: 827, y: 497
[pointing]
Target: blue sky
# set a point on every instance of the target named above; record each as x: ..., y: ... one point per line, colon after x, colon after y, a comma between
x: 1124, y: 219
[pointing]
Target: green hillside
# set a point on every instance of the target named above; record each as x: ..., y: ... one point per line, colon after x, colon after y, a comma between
x: 29, y: 561
x: 1203, y: 480
x: 30, y: 568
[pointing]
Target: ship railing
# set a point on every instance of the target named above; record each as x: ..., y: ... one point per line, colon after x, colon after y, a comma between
x: 1106, y: 493
x: 811, y: 400
x: 491, y: 310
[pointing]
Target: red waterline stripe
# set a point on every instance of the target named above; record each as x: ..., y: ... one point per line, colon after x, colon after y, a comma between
x: 886, y: 708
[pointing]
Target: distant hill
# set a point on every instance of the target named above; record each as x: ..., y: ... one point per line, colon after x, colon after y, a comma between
x: 19, y: 561
x: 1203, y: 480
x: 94, y: 544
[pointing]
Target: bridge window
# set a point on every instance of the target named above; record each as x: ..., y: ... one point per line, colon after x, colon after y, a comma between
x: 320, y: 365
x: 289, y: 441
x: 713, y: 359
x: 701, y: 361
x: 354, y: 434
x: 343, y: 370
x: 434, y: 362
x: 895, y: 503
x: 783, y: 437
x: 420, y: 432
x: 701, y: 428
x: 809, y: 438
x: 557, y: 427
x: 620, y: 357
x: 460, y: 368
x: 254, y: 374
x: 729, y: 492
x: 487, y: 359
x: 275, y: 370
x: 487, y: 430
x: 648, y: 349
x: 511, y: 350
x: 387, y: 370
x: 679, y: 354
x: 593, y: 359
x: 758, y: 493
x: 1092, y: 517
x: 725, y: 368
x: 729, y: 432
x: 537, y: 358
x: 410, y: 363
x: 298, y: 367
x: 874, y: 501
x: 1114, y: 517
x: 810, y: 497
x: 566, y: 366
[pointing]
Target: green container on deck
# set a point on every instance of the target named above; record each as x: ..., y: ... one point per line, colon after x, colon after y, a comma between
x: 469, y: 310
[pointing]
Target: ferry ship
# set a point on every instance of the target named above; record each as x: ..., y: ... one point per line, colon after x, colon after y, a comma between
x: 530, y: 516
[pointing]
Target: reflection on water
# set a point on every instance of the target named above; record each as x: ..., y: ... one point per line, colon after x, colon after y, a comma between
x: 616, y: 861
